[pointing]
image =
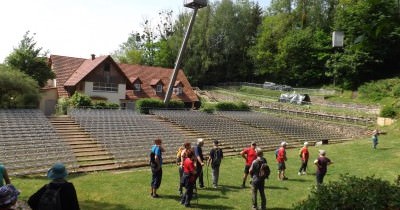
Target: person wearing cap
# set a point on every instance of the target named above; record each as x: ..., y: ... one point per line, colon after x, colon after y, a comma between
x: 4, y: 176
x: 257, y: 183
x: 304, y: 155
x: 198, y: 153
x: 322, y: 166
x: 249, y: 154
x: 216, y: 155
x: 157, y: 149
x: 281, y: 159
x: 8, y: 197
x: 68, y: 198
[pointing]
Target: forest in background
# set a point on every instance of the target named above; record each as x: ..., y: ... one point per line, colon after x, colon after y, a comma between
x: 289, y: 42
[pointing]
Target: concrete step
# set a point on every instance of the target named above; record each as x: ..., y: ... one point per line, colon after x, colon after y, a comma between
x: 91, y: 168
x: 92, y: 153
x: 95, y: 158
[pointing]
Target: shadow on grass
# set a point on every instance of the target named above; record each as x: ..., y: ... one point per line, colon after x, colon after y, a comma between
x: 298, y: 180
x: 207, y: 206
x: 87, y: 205
x: 278, y: 208
x: 276, y: 188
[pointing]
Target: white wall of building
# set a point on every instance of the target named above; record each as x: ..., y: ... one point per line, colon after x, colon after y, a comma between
x: 113, y: 97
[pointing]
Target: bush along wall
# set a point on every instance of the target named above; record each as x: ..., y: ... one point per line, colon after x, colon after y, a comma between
x: 351, y: 192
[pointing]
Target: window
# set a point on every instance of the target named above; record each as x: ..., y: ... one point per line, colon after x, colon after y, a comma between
x: 137, y: 87
x: 178, y: 90
x: 105, y: 87
x: 107, y: 74
x: 159, y: 88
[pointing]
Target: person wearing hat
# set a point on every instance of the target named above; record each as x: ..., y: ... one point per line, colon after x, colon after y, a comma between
x: 281, y: 159
x: 157, y: 149
x: 322, y: 166
x: 67, y: 194
x: 198, y: 153
x: 215, y: 159
x: 8, y: 197
x: 304, y: 155
x: 249, y: 154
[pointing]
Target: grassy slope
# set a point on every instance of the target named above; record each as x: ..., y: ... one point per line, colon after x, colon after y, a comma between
x: 130, y: 189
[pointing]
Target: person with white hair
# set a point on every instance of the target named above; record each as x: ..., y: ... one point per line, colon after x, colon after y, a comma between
x: 198, y: 153
x: 322, y: 166
x: 281, y: 159
x: 258, y: 179
x: 304, y: 155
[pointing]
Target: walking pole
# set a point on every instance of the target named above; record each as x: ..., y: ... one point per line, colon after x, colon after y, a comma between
x: 208, y: 180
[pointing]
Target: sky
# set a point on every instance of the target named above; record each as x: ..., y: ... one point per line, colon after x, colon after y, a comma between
x: 79, y: 28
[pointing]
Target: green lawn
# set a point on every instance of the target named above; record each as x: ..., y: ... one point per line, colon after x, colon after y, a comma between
x: 130, y: 189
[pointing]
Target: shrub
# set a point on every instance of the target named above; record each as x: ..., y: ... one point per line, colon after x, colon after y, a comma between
x: 229, y: 106
x: 388, y: 111
x: 62, y: 105
x: 207, y: 107
x: 80, y: 100
x: 176, y: 104
x: 144, y: 105
x: 351, y: 192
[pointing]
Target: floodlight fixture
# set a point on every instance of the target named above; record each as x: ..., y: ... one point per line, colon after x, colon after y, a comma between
x: 337, y: 39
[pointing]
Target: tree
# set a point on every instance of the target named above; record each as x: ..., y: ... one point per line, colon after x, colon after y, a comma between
x: 17, y: 90
x: 29, y: 59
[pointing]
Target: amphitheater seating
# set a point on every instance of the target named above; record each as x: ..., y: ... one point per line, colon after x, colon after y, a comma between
x: 29, y: 143
x: 227, y: 131
x: 127, y: 134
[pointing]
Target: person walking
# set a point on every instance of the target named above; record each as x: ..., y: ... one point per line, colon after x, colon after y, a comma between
x: 157, y: 149
x: 188, y: 178
x: 198, y: 153
x: 4, y: 178
x: 249, y: 154
x: 322, y: 166
x: 281, y: 159
x: 215, y: 158
x: 304, y: 155
x: 375, y: 134
x: 258, y: 179
x: 44, y: 197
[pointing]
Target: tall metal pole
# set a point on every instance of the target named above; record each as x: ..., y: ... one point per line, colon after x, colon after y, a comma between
x: 179, y: 59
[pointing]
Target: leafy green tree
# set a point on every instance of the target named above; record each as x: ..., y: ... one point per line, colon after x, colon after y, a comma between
x: 29, y: 59
x: 17, y: 90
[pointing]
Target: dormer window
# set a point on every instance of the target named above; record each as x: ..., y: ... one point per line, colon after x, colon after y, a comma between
x: 178, y: 88
x: 159, y: 88
x: 137, y: 87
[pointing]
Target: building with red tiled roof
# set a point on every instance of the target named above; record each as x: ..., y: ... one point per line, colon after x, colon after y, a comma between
x: 103, y: 78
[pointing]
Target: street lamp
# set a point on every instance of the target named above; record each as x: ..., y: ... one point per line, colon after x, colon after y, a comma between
x: 195, y: 5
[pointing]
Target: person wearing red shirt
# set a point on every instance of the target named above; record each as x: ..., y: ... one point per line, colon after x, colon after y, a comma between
x: 188, y: 178
x: 249, y: 154
x: 304, y: 155
x: 281, y: 158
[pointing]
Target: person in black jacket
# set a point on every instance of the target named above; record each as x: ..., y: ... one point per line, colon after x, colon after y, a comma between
x: 66, y: 190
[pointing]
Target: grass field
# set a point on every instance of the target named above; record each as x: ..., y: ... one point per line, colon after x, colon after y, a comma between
x: 123, y: 190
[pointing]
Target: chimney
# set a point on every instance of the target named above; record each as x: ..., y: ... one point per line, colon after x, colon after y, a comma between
x: 93, y: 56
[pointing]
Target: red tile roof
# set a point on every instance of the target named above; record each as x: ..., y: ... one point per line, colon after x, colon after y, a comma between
x: 70, y: 71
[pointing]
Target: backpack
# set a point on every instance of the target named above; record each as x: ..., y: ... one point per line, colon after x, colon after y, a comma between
x: 264, y: 170
x: 276, y: 153
x: 50, y: 199
x: 216, y: 159
x: 153, y: 163
x: 179, y: 153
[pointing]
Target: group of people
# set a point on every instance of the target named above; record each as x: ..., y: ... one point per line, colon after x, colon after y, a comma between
x: 190, y: 161
x: 58, y: 194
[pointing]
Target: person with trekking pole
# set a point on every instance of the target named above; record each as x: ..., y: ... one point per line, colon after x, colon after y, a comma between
x: 198, y: 153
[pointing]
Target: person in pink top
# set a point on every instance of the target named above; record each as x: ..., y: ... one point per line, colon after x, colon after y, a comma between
x: 249, y: 154
x: 281, y: 158
x: 304, y: 155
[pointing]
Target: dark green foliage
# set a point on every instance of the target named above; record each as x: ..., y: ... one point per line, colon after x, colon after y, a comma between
x: 176, y: 104
x: 351, y: 192
x: 144, y: 105
x: 105, y: 105
x: 207, y: 107
x: 28, y: 59
x: 80, y: 100
x: 388, y: 111
x: 17, y: 90
x: 230, y: 106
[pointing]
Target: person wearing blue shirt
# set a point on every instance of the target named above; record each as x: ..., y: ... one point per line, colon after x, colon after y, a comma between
x: 157, y: 149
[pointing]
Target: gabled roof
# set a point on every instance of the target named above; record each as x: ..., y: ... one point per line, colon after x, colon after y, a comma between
x: 155, y: 82
x: 147, y: 74
x: 63, y: 67
x: 177, y: 83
